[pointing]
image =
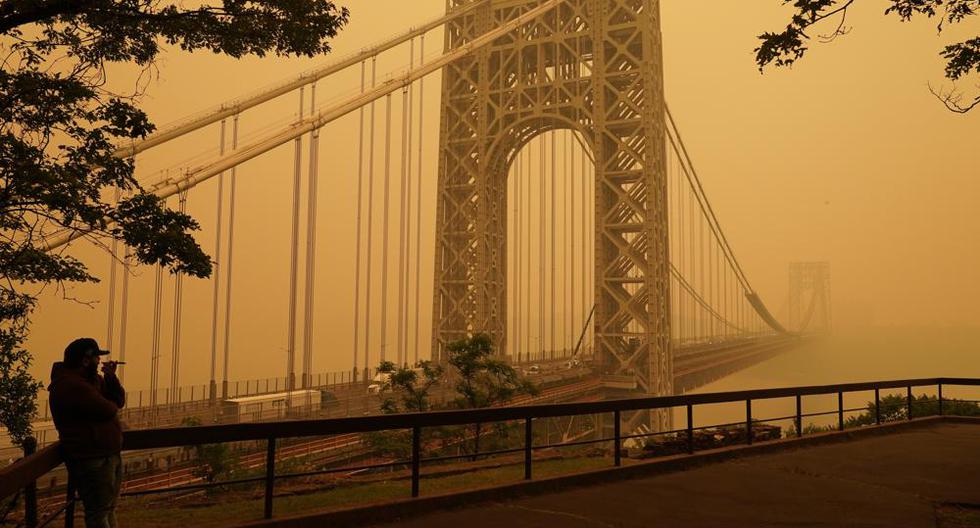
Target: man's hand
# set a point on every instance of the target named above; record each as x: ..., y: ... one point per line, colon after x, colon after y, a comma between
x: 109, y: 368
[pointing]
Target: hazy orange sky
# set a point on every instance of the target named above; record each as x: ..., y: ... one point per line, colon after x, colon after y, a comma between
x: 845, y: 158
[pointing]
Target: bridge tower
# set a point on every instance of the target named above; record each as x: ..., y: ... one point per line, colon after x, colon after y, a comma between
x: 809, y: 297
x: 592, y: 66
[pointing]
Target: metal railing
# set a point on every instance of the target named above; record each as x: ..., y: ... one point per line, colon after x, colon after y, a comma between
x: 23, y: 474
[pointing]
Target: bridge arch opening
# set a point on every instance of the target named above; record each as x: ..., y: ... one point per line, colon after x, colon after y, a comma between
x: 550, y: 249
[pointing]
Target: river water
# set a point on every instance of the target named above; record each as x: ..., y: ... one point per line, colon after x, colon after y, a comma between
x: 871, y: 355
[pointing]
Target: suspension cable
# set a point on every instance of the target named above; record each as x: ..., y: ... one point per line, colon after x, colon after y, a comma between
x: 235, y: 107
x: 167, y: 187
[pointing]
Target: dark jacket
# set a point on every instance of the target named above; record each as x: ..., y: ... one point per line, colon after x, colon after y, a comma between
x: 85, y: 412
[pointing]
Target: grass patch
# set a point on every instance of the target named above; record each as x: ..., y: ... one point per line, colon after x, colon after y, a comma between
x: 298, y: 497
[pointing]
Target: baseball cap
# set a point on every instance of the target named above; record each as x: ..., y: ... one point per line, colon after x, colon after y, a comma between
x: 81, y: 348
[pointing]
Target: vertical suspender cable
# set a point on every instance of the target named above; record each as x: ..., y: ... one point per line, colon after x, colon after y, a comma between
x: 418, y: 208
x: 570, y: 182
x: 406, y: 267
x: 519, y: 268
x: 155, y: 344
x: 527, y: 256
x: 124, y: 315
x: 569, y: 273
x: 213, y: 386
x: 680, y: 255
x: 113, y: 256
x: 357, y: 251
x: 311, y: 204
x: 690, y: 273
x: 593, y: 205
x: 384, y: 227
x: 294, y: 259
x: 710, y: 297
x: 554, y: 179
x: 178, y: 316
x: 402, y: 219
x: 541, y: 239
x: 719, y: 291
x: 701, y: 246
x: 513, y: 179
x: 370, y: 230
x: 231, y: 246
x: 584, y: 191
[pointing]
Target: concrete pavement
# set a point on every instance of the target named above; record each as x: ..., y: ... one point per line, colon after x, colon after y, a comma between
x: 891, y: 480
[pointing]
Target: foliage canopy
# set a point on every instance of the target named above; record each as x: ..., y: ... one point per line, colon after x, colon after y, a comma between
x: 785, y: 47
x: 60, y: 125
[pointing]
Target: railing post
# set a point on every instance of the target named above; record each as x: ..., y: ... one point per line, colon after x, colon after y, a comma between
x: 908, y: 402
x: 748, y: 421
x: 617, y: 434
x: 528, y: 441
x: 690, y: 429
x: 30, y: 491
x: 877, y: 408
x: 270, y: 475
x: 416, y: 458
x: 799, y: 416
x: 840, y: 411
x: 940, y: 399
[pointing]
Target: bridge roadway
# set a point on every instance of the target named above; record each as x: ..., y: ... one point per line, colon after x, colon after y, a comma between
x: 927, y: 475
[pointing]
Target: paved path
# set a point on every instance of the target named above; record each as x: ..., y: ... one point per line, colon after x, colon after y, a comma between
x: 894, y: 480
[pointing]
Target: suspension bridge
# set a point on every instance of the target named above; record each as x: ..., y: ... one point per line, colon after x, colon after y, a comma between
x: 569, y: 223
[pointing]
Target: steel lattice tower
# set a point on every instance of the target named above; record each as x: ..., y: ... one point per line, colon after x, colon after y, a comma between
x: 809, y: 296
x: 592, y: 66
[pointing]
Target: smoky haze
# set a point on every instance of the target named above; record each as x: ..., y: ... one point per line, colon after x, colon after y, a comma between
x: 846, y: 158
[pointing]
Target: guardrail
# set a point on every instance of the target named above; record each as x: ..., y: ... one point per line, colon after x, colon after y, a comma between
x: 23, y: 474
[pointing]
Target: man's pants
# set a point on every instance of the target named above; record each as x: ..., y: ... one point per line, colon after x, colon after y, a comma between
x: 97, y: 481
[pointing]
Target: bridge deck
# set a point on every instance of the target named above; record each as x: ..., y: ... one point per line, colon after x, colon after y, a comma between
x: 906, y: 478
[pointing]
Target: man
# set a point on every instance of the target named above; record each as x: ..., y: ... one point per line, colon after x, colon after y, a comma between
x: 85, y: 408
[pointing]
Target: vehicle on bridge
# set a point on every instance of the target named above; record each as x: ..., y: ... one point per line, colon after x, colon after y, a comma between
x: 276, y: 405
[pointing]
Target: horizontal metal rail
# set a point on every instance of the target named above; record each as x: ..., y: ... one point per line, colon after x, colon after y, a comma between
x: 23, y: 473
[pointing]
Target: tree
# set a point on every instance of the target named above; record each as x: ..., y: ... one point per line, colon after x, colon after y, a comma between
x: 59, y: 124
x: 404, y: 390
x: 483, y: 380
x: 407, y: 389
x: 213, y: 460
x: 962, y: 58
